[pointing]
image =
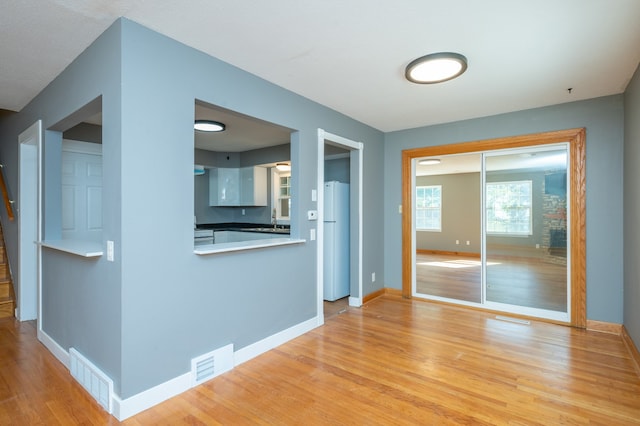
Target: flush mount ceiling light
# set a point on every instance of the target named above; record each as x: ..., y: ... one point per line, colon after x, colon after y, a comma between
x: 436, y: 68
x: 429, y: 162
x: 208, y: 126
x: 283, y: 167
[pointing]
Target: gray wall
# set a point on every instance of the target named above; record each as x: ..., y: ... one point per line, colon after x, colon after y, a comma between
x: 143, y: 317
x: 603, y: 120
x: 82, y: 307
x: 237, y: 298
x: 632, y: 208
x: 337, y: 169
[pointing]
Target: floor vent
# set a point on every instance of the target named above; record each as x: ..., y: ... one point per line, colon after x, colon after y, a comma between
x: 98, y: 384
x: 208, y: 366
x: 516, y: 320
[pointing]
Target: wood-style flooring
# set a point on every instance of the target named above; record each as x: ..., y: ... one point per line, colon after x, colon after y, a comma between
x: 391, y: 362
x: 515, y: 280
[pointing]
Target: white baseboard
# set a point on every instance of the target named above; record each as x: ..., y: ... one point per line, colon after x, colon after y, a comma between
x: 123, y: 409
x: 266, y: 344
x: 54, y: 348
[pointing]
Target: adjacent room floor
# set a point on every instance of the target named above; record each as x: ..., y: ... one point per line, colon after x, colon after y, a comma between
x: 512, y: 279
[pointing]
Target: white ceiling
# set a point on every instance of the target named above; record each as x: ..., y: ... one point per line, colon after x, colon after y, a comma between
x: 350, y: 55
x: 242, y: 133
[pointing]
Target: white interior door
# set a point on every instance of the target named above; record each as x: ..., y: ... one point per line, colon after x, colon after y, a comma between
x: 81, y: 191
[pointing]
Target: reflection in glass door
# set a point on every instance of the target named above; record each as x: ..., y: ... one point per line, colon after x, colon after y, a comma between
x: 491, y: 229
x: 525, y: 226
x: 448, y: 221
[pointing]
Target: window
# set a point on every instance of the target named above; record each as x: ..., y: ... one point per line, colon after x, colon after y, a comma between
x: 281, y: 185
x: 429, y: 208
x: 509, y: 208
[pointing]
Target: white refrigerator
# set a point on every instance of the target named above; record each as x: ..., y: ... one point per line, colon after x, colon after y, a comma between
x: 336, y: 241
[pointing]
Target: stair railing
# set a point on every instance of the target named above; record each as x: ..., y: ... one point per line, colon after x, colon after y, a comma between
x: 8, y: 202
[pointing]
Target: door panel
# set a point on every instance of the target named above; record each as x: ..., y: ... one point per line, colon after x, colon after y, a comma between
x: 526, y: 218
x: 81, y: 194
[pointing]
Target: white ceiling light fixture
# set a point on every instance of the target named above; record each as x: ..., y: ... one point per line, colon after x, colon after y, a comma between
x: 436, y: 68
x: 283, y: 167
x: 209, y: 126
x: 429, y: 162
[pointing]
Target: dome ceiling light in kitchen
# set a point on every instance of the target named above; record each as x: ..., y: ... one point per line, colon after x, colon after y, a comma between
x: 436, y: 68
x: 209, y: 126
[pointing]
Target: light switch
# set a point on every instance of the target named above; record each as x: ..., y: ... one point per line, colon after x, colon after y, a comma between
x: 314, y: 195
x: 312, y: 234
x: 110, y: 251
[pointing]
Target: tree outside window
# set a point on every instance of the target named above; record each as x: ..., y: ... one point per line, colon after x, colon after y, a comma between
x: 509, y: 208
x: 429, y: 208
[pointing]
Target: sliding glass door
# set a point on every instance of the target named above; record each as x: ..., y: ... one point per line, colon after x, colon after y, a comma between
x: 526, y: 214
x: 448, y: 249
x: 490, y: 229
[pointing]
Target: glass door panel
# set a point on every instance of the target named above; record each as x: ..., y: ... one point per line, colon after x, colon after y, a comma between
x: 525, y: 227
x: 447, y: 215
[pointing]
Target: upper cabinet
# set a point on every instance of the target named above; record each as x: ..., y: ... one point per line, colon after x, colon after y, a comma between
x: 233, y: 187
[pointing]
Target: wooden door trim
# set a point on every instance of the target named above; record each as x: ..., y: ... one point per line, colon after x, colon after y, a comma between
x: 577, y: 182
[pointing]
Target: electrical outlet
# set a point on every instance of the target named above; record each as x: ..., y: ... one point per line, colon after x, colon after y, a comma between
x: 457, y: 242
x: 468, y: 242
x: 373, y: 277
x: 312, y: 234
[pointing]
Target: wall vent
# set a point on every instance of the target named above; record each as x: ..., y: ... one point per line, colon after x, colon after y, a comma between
x: 98, y: 384
x: 510, y: 319
x: 212, y: 364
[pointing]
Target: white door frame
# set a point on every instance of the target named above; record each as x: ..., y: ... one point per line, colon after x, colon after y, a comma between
x: 29, y: 223
x: 356, y: 166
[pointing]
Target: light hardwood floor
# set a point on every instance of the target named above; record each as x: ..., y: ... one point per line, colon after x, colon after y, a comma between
x: 393, y: 361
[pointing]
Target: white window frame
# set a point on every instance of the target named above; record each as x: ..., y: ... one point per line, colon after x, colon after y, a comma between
x: 527, y: 233
x: 275, y: 195
x: 439, y: 209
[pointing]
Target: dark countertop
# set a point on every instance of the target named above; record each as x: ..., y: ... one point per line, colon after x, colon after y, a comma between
x: 245, y: 227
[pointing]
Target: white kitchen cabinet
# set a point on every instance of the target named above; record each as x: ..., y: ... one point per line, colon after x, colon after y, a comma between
x: 233, y: 187
x: 253, y: 186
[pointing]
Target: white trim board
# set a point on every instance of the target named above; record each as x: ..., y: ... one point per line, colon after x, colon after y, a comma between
x: 53, y: 347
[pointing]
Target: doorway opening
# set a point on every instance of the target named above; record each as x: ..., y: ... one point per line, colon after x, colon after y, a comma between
x: 29, y: 230
x: 519, y: 246
x: 340, y: 167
